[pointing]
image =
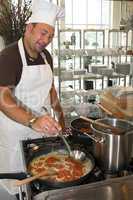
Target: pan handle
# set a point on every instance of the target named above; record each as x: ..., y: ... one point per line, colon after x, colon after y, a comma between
x: 19, y: 176
x: 95, y: 138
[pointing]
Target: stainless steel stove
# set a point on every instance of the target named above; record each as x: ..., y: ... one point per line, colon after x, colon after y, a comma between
x: 34, y: 190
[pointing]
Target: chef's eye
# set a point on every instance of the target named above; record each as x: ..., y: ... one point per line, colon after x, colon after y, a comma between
x: 43, y: 33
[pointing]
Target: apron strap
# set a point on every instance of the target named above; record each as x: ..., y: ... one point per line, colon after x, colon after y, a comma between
x: 44, y: 58
x: 22, y: 52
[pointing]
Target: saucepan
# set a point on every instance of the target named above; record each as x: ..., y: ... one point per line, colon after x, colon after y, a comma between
x: 79, y: 126
x: 82, y: 127
x: 50, y: 182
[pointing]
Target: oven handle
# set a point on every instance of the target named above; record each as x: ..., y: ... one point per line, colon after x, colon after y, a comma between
x: 19, y: 175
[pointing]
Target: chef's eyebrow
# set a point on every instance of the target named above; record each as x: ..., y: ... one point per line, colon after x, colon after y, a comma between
x: 45, y: 31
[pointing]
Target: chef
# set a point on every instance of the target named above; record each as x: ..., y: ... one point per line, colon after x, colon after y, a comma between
x: 27, y: 91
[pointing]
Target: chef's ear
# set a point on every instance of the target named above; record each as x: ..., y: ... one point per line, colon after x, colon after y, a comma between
x: 30, y: 27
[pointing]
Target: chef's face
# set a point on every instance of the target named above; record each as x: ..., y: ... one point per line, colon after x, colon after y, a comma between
x: 40, y: 35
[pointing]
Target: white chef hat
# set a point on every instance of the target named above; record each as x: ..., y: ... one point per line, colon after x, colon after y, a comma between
x: 45, y: 12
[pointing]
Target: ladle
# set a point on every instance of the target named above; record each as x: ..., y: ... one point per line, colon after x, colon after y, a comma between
x: 114, y: 130
x: 76, y: 154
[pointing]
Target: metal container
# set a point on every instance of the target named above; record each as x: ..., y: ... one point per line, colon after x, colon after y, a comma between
x: 114, y: 151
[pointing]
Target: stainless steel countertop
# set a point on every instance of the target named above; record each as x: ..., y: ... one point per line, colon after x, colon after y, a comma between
x: 110, y: 189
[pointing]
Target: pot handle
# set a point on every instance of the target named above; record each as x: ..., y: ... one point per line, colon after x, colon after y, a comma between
x: 19, y: 176
x: 95, y: 138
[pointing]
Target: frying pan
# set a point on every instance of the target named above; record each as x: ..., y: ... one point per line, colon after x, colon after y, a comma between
x: 50, y: 183
x: 79, y: 126
x: 57, y: 184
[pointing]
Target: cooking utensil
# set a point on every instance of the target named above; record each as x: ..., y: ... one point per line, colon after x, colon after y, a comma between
x: 78, y: 126
x: 114, y: 130
x: 30, y: 179
x: 110, y: 102
x: 41, y: 183
x: 66, y: 144
x: 79, y: 155
x: 76, y: 154
x: 18, y: 175
x: 114, y: 153
x: 57, y: 184
x: 105, y: 109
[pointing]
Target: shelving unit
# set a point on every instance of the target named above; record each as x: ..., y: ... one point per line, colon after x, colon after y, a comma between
x: 93, y: 39
x: 118, y: 39
x: 78, y: 51
x: 69, y: 41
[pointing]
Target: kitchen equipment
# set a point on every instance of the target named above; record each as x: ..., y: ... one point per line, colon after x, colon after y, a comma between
x: 114, y: 153
x: 67, y: 144
x: 111, y: 189
x: 95, y: 68
x: 77, y: 141
x: 47, y: 182
x: 105, y: 71
x: 118, y: 101
x: 79, y: 155
x: 37, y: 191
x: 79, y: 126
x: 105, y: 109
x: 123, y: 68
x: 76, y: 154
x: 114, y: 130
x: 30, y: 179
x: 56, y: 184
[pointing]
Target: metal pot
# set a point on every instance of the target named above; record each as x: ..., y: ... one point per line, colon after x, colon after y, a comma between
x: 114, y: 151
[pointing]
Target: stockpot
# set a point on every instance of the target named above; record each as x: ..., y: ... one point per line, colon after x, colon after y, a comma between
x: 113, y: 151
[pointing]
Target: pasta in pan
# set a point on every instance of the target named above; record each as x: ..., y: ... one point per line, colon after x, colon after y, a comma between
x: 66, y: 168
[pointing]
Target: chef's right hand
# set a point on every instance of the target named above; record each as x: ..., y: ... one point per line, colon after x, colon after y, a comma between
x: 46, y: 125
